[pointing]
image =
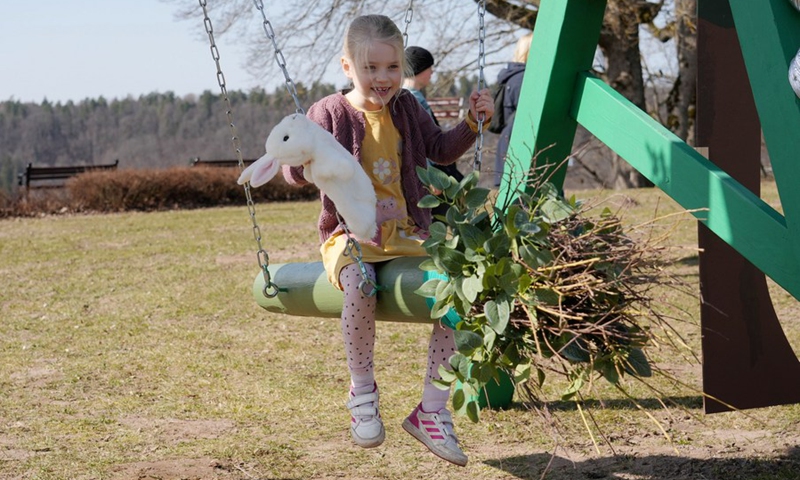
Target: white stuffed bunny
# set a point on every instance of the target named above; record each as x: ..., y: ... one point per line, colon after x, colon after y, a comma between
x: 297, y: 141
x: 794, y: 73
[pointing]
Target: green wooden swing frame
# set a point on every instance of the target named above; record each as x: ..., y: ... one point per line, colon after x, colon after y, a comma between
x: 559, y: 92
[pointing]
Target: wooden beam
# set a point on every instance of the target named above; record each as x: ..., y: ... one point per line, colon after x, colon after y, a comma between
x: 769, y: 35
x: 564, y: 43
x: 734, y: 213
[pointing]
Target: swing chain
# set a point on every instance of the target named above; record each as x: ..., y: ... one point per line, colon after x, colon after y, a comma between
x: 270, y: 289
x: 481, y: 82
x: 351, y: 245
x: 409, y: 16
x: 279, y: 58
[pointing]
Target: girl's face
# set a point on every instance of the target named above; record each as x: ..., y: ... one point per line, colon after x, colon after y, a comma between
x: 378, y: 80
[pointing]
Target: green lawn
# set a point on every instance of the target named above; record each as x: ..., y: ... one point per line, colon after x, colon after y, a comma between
x: 130, y: 347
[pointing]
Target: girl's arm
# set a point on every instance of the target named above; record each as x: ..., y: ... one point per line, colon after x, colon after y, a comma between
x: 446, y: 147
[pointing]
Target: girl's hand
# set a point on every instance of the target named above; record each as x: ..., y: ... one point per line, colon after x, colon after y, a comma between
x: 481, y: 103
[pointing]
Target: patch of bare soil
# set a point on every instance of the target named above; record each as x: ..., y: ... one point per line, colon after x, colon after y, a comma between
x: 177, y: 469
x: 645, y: 465
x: 40, y: 375
x: 9, y: 451
x: 173, y: 430
x: 711, y: 454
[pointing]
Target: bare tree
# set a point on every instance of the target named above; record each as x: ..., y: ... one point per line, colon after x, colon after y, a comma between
x: 313, y: 29
x: 683, y: 98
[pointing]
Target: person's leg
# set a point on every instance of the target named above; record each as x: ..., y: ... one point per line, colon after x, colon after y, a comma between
x: 358, y: 331
x: 440, y: 348
x: 431, y: 422
x: 358, y: 328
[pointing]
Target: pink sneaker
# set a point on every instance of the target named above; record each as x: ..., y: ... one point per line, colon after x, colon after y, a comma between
x: 366, y: 426
x: 435, y: 431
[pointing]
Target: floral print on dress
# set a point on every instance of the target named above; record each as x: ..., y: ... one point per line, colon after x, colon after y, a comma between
x: 382, y: 170
x: 386, y: 171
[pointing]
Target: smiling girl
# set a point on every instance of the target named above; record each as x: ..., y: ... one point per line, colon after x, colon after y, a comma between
x: 390, y: 134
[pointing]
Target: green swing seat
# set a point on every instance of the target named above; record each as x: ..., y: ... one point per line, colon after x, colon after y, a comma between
x: 305, y: 291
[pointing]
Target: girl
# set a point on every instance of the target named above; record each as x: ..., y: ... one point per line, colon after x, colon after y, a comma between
x: 389, y: 133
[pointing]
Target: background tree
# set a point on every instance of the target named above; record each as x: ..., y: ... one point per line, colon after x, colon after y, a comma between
x: 318, y: 26
x: 156, y: 130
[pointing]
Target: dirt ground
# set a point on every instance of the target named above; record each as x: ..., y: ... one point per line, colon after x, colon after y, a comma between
x: 704, y: 447
x: 715, y: 453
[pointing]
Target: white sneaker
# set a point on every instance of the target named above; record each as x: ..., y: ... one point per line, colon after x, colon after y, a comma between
x: 366, y: 426
x: 435, y: 431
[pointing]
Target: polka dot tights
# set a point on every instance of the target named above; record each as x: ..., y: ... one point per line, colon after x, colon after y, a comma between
x: 358, y: 328
x: 358, y: 331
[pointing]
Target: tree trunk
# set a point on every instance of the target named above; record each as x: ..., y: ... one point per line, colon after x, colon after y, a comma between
x: 683, y: 97
x: 619, y: 42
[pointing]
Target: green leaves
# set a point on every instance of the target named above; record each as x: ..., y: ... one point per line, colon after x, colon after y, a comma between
x: 555, y: 210
x: 637, y: 363
x: 497, y: 313
x: 429, y: 201
x: 472, y: 236
x: 527, y: 282
x: 471, y: 287
x: 467, y: 342
x: 476, y: 198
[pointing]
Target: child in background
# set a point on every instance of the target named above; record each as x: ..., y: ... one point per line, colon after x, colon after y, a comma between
x: 420, y: 62
x: 390, y: 134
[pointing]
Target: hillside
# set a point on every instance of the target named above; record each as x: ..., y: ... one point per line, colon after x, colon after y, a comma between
x: 154, y: 131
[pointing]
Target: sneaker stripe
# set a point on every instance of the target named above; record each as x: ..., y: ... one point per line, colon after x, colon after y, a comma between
x: 434, y: 430
x: 414, y: 418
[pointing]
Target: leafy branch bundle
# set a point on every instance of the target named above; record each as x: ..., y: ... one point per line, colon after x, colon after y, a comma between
x: 540, y: 287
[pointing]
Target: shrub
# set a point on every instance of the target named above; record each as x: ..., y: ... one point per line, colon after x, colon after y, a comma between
x: 179, y: 187
x: 541, y: 288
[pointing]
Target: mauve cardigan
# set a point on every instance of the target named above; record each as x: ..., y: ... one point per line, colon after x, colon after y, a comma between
x: 421, y: 139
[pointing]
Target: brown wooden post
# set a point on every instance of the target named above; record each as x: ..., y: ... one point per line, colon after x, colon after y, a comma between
x: 747, y: 361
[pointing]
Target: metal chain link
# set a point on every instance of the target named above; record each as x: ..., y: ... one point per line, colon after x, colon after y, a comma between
x: 270, y: 289
x: 409, y: 16
x: 279, y: 58
x: 352, y: 249
x: 481, y: 82
x: 352, y: 244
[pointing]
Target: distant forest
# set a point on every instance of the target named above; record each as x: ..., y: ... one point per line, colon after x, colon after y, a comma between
x: 157, y: 130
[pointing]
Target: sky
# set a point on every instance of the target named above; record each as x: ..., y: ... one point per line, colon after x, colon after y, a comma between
x: 78, y: 49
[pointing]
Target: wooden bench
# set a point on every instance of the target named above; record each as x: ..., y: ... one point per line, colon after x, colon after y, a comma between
x: 56, y: 177
x: 221, y: 163
x: 447, y: 108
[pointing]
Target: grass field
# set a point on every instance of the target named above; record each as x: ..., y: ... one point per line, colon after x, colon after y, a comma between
x: 131, y: 348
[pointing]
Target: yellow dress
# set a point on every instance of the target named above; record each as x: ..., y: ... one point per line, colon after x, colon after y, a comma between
x: 397, y: 235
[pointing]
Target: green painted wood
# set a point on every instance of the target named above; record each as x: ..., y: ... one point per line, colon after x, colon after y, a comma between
x: 769, y: 34
x: 306, y: 291
x: 558, y: 93
x: 564, y: 43
x: 736, y: 215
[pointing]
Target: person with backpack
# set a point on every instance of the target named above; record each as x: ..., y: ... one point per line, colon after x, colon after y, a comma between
x: 509, y: 83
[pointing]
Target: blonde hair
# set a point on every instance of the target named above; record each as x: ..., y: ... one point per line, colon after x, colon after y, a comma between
x: 523, y: 47
x: 368, y: 29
